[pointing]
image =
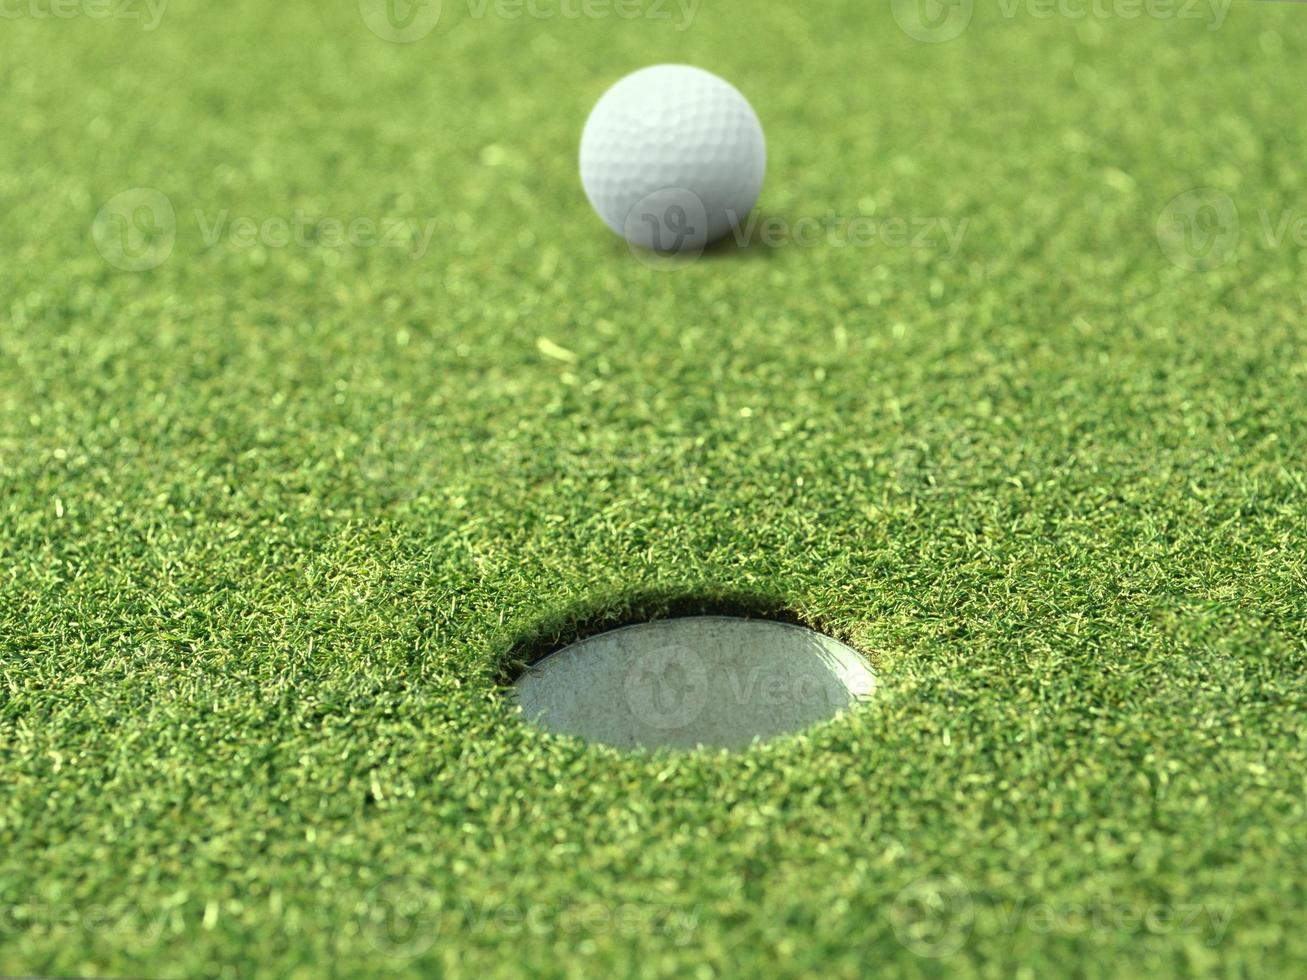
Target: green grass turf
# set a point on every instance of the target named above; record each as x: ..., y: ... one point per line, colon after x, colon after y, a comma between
x: 277, y: 521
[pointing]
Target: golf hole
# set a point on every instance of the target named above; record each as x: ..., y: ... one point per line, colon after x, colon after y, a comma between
x: 714, y: 682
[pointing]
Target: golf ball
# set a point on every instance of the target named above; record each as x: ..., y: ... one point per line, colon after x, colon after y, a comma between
x: 672, y: 157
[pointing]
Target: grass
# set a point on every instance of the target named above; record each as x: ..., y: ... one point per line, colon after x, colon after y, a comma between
x: 277, y: 519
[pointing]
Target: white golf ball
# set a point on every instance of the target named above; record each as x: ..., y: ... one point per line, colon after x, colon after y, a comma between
x: 672, y: 157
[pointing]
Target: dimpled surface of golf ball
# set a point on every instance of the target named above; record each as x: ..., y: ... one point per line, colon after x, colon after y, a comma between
x: 672, y: 157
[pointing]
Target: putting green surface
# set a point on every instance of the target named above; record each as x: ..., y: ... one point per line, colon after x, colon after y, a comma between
x: 325, y: 400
